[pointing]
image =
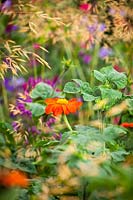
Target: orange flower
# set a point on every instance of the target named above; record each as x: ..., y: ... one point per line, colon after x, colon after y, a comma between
x: 13, y: 178
x: 127, y: 125
x: 59, y: 106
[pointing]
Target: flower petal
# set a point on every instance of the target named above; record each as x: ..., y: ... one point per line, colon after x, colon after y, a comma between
x: 65, y: 109
x: 57, y: 110
x: 51, y: 100
x: 49, y: 109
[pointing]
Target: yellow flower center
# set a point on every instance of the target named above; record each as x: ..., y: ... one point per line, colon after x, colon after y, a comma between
x: 62, y: 101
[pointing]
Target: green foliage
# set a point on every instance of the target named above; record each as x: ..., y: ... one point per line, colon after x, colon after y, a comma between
x: 42, y: 90
x: 71, y: 87
x: 78, y: 86
x: 6, y: 137
x: 36, y: 109
x: 112, y: 96
x: 92, y: 161
x: 130, y: 106
x: 119, y: 155
x: 12, y: 193
x: 99, y: 76
x: 113, y: 132
x: 108, y: 75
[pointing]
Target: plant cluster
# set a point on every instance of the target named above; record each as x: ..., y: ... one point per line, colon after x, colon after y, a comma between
x: 66, y: 105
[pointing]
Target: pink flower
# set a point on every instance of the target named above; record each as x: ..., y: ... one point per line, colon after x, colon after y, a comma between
x: 36, y: 46
x: 85, y: 6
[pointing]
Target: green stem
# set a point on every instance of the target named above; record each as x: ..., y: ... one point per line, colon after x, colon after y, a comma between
x: 102, y: 129
x: 67, y: 123
x: 5, y: 98
x: 94, y: 63
x: 34, y: 67
x: 2, y: 114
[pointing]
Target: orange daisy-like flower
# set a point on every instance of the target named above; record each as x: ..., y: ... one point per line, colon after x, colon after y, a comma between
x: 127, y: 125
x: 13, y: 178
x: 59, y: 106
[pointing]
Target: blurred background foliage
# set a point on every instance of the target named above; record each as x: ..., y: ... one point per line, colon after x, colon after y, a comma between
x: 72, y: 48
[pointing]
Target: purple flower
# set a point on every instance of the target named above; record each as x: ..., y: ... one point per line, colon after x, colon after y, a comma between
x: 10, y: 28
x: 102, y: 27
x: 21, y: 107
x: 16, y: 125
x: 6, y: 5
x: 34, y: 130
x: 50, y: 122
x: 25, y: 97
x: 86, y: 59
x: 92, y: 28
x: 31, y: 83
x: 14, y: 83
x: 104, y: 52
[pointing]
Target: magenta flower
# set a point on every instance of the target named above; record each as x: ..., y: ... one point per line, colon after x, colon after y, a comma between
x: 85, y: 6
x: 86, y: 59
x: 31, y: 83
x: 36, y: 46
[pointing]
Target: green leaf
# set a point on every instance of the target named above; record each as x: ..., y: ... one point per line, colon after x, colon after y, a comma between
x: 42, y: 90
x: 71, y: 87
x: 88, y: 97
x: 36, y: 186
x: 111, y: 95
x: 112, y: 132
x: 119, y: 155
x: 6, y: 129
x: 113, y: 76
x: 36, y: 109
x: 121, y: 82
x: 78, y: 81
x: 85, y: 88
x: 130, y: 106
x: 99, y: 76
x: 86, y: 134
x: 2, y: 140
x: 26, y: 165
